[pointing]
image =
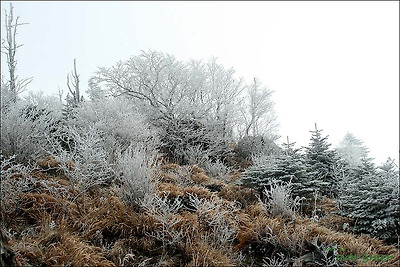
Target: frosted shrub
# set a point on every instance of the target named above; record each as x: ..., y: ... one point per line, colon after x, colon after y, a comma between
x: 119, y: 123
x: 16, y: 180
x: 222, y: 220
x: 196, y: 155
x: 164, y: 211
x: 137, y: 169
x: 260, y: 160
x: 23, y: 130
x: 372, y: 199
x: 217, y: 169
x: 85, y: 161
x: 279, y: 260
x: 12, y: 188
x: 45, y: 102
x: 279, y: 200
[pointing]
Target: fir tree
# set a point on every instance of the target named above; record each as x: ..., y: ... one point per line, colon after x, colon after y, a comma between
x: 371, y: 198
x: 286, y: 166
x: 352, y: 150
x: 321, y: 161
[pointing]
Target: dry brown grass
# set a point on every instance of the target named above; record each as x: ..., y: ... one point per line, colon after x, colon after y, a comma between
x: 335, y: 222
x: 106, y: 232
x: 71, y: 250
x: 356, y: 245
x: 200, y: 192
x: 51, y: 163
x: 173, y: 173
x: 35, y: 206
x: 199, y: 175
x: 295, y: 236
x: 204, y: 255
x: 170, y: 190
x: 173, y: 191
x: 245, y: 196
x: 327, y: 205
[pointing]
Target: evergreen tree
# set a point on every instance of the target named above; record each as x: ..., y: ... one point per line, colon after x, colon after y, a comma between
x: 352, y: 150
x: 321, y: 161
x: 371, y: 197
x: 286, y: 166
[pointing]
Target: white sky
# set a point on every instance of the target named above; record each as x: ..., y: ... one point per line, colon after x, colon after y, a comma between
x: 335, y: 63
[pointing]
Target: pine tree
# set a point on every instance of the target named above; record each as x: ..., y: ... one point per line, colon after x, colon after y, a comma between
x: 321, y: 161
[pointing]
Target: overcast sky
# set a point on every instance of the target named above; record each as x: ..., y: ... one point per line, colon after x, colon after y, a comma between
x: 334, y: 63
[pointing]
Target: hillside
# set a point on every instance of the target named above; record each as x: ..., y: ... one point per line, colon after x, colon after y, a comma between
x: 192, y: 220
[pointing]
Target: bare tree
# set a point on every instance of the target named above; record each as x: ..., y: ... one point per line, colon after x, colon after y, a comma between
x: 9, y: 48
x: 75, y: 83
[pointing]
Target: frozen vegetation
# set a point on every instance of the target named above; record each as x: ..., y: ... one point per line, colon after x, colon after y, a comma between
x: 172, y: 163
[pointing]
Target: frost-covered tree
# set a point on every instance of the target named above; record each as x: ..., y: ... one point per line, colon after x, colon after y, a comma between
x: 94, y: 91
x: 371, y: 197
x: 258, y: 112
x: 288, y: 166
x: 7, y: 96
x: 194, y: 103
x: 352, y: 150
x: 321, y: 160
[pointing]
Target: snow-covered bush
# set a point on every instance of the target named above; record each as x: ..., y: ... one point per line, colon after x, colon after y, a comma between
x: 196, y: 155
x: 191, y: 140
x: 221, y: 219
x: 279, y: 260
x: 84, y: 162
x: 45, y: 102
x: 161, y: 209
x: 12, y: 187
x: 23, y: 131
x: 278, y: 199
x: 286, y: 167
x: 118, y: 123
x: 217, y: 169
x: 137, y: 167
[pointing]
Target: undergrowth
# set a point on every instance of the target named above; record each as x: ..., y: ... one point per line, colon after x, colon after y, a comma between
x: 183, y: 221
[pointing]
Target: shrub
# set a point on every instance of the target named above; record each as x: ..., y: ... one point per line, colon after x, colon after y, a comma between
x: 84, y: 162
x: 371, y: 197
x: 279, y: 199
x: 137, y: 168
x: 165, y: 212
x: 221, y: 219
x: 118, y: 123
x: 23, y: 131
x: 11, y: 186
x: 190, y: 140
x: 288, y: 166
x: 197, y: 155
